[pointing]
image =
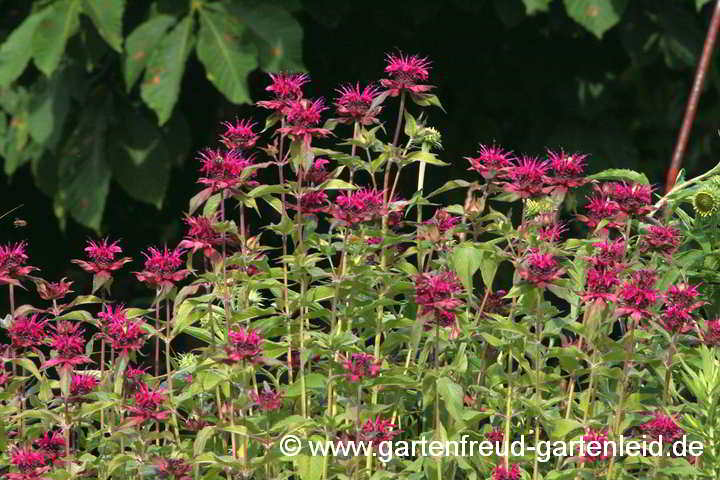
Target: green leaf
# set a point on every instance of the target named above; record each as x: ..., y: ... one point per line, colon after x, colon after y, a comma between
x: 426, y: 157
x: 451, y: 185
x: 14, y: 52
x: 52, y: 34
x: 227, y: 61
x: 597, y: 16
x: 309, y: 467
x: 201, y: 439
x: 48, y: 110
x: 563, y: 426
x: 165, y: 68
x: 466, y: 260
x: 107, y: 17
x: 535, y: 6
x: 621, y: 174
x: 699, y: 4
x: 337, y: 184
x: 140, y: 45
x: 83, y: 174
x: 277, y: 35
x: 452, y: 395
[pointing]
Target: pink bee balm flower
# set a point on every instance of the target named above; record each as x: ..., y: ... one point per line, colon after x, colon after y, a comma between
x: 608, y: 254
x: 133, y: 379
x: 28, y: 461
x: 551, y: 233
x: 444, y: 221
x: 540, y: 269
x: 354, y: 104
x: 69, y: 344
x: 435, y: 294
x: 601, y: 208
x: 497, y: 304
x: 243, y: 345
x: 406, y: 72
x: 53, y: 290
x: 81, y: 385
x: 311, y: 202
x: 663, y: 240
x: 495, y: 436
x: 526, y: 177
x: 267, y: 399
x: 491, y: 161
x: 102, y: 260
x: 162, y: 267
x: 633, y: 199
x: 176, y: 468
x: 27, y: 332
x: 662, y: 427
x: 317, y: 174
x: 123, y: 334
x: 502, y: 473
x: 226, y: 170
x: 303, y: 117
x: 13, y: 257
x: 568, y: 170
x: 596, y: 446
x: 378, y: 430
x: 711, y: 335
x: 601, y: 285
x: 637, y: 295
x: 201, y: 236
x: 239, y: 135
x: 147, y: 406
x: 287, y: 85
x: 680, y: 303
x: 52, y: 444
x: 361, y: 365
x: 359, y: 206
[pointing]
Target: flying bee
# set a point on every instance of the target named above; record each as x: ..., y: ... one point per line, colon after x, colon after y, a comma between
x: 20, y: 223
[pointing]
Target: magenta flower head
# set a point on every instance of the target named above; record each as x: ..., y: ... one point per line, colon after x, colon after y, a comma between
x: 595, y: 445
x: 26, y: 332
x: 124, y: 335
x: 540, y: 269
x: 222, y: 170
x: 31, y: 463
x: 286, y: 87
x: 551, y: 233
x: 359, y: 206
x: 444, y: 221
x: 69, y: 345
x: 266, y: 399
x: 175, y: 468
x: 436, y: 295
x: 711, y: 336
x: 52, y: 444
x: 608, y: 254
x: 147, y: 406
x: 361, y: 365
x: 601, y: 285
x: 681, y: 301
x: 637, y: 295
x: 495, y: 436
x: 378, y: 430
x: 102, y: 258
x: 406, y: 73
x: 318, y: 172
x: 53, y: 290
x: 13, y: 257
x: 314, y: 201
x: 526, y: 177
x: 202, y: 236
x: 567, y: 170
x: 303, y: 116
x: 601, y: 208
x: 239, y: 135
x: 662, y: 427
x: 354, y: 104
x: 491, y: 162
x: 81, y: 385
x: 510, y: 473
x: 162, y: 268
x: 662, y: 240
x: 633, y: 199
x: 243, y: 345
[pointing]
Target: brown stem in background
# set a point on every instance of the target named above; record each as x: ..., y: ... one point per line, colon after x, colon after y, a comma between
x: 691, y: 109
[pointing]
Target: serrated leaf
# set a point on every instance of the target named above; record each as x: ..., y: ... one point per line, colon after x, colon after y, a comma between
x: 535, y: 6
x: 277, y: 35
x: 107, y: 17
x: 452, y: 395
x: 597, y: 16
x: 426, y: 157
x: 621, y: 174
x: 48, y: 110
x: 227, y: 60
x: 451, y: 185
x: 140, y: 45
x: 14, y: 52
x: 165, y: 69
x: 53, y: 32
x: 466, y: 260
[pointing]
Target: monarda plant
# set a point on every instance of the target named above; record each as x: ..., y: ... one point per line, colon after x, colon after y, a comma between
x: 551, y: 304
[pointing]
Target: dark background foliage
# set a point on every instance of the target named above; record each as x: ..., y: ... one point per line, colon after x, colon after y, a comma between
x: 527, y: 74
